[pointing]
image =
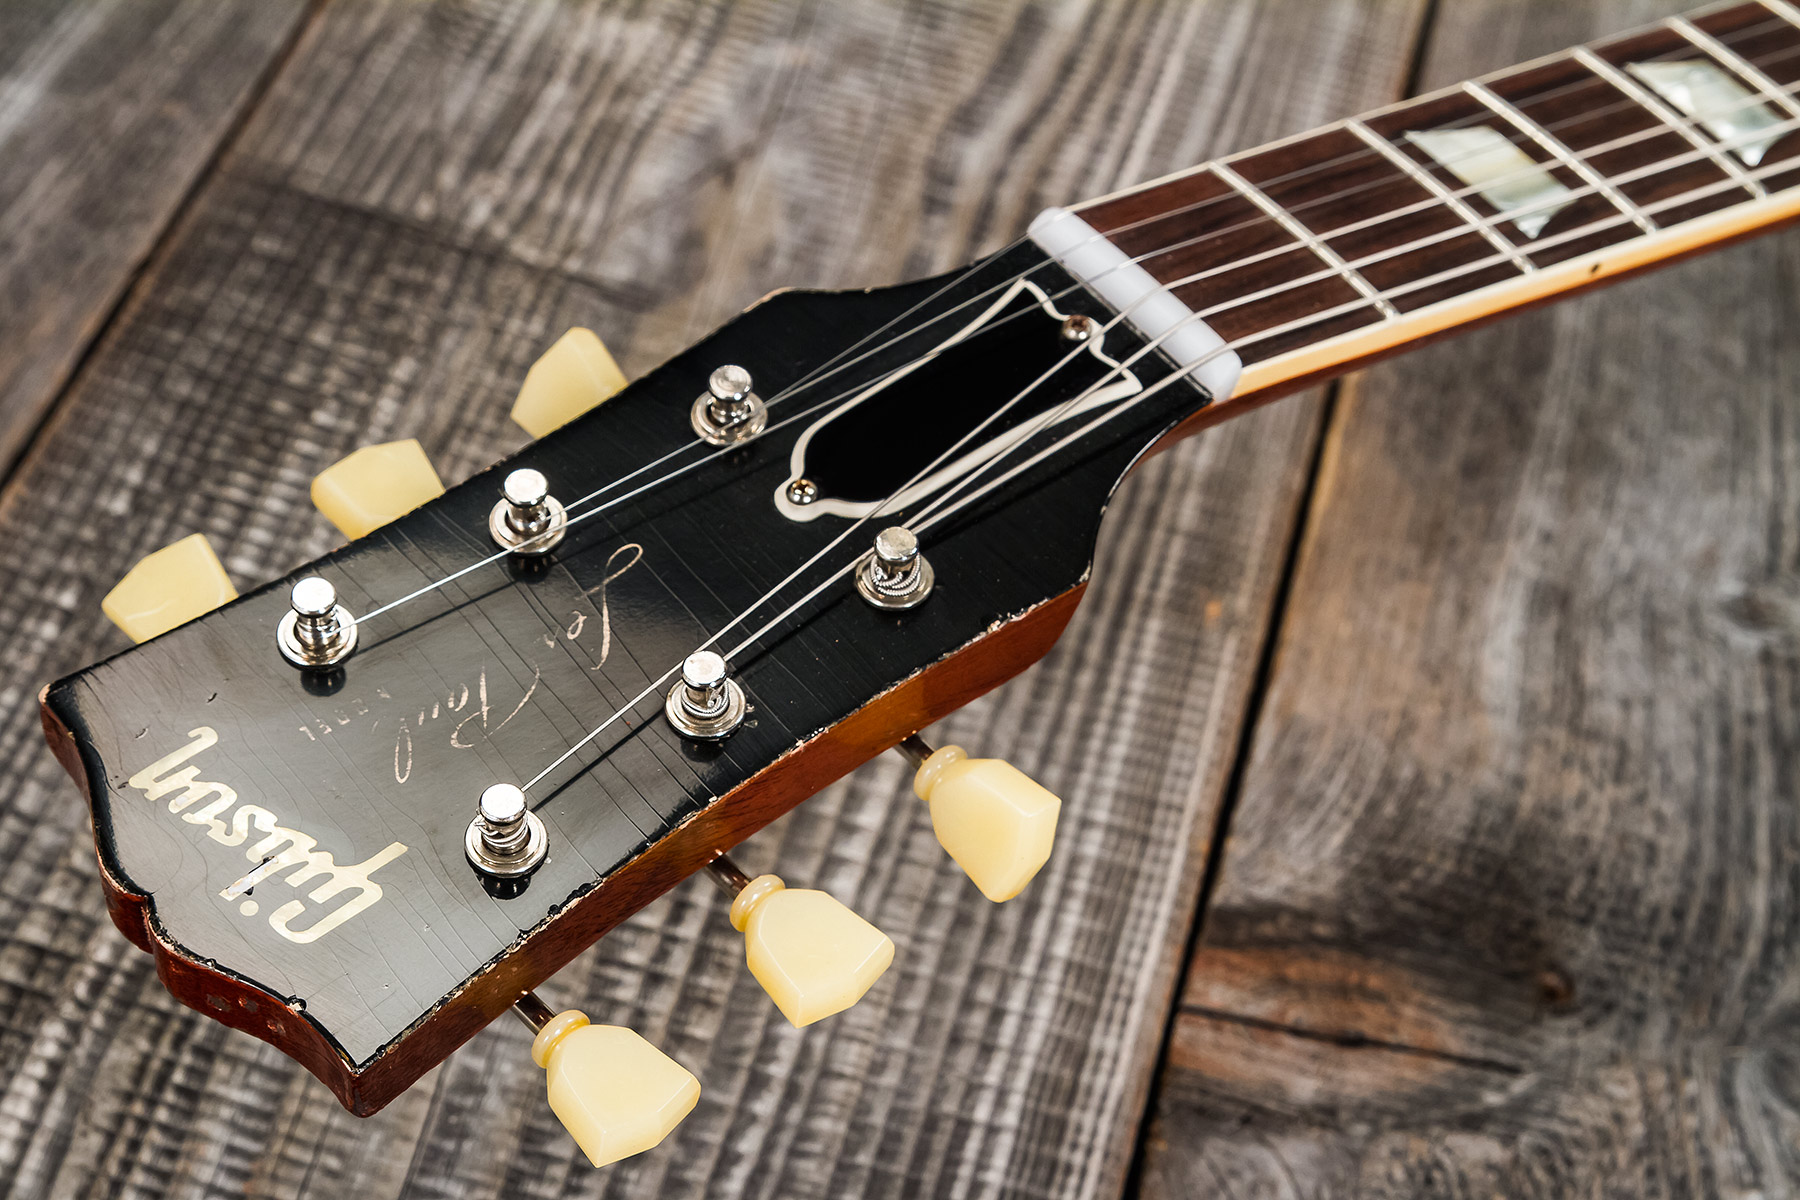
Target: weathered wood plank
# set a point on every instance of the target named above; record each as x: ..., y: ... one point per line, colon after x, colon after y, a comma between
x: 427, y: 197
x: 1509, y: 899
x: 109, y: 112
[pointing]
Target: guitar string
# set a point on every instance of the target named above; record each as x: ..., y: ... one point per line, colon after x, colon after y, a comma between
x: 934, y: 517
x: 929, y: 516
x: 1029, y: 429
x: 1325, y: 274
x: 923, y: 472
x: 832, y: 367
x: 1481, y: 117
x: 925, y: 519
x: 826, y: 370
x: 1460, y: 230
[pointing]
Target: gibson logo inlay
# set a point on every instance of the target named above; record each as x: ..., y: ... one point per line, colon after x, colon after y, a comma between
x: 279, y: 849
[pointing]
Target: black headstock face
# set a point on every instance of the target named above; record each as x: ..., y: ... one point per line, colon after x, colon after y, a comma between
x: 305, y: 832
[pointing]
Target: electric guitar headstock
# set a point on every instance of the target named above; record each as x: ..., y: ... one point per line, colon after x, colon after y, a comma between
x: 365, y: 809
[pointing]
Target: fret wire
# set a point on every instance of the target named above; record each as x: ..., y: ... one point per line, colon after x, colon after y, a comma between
x: 1471, y: 267
x: 1277, y: 289
x: 1492, y: 260
x: 1340, y: 160
x: 1656, y: 108
x: 962, y: 502
x: 1428, y: 181
x: 1480, y: 223
x: 1555, y: 148
x: 1726, y: 57
x: 1381, y: 218
x: 932, y: 517
x: 1398, y: 106
x: 1784, y: 10
x: 1286, y: 220
x: 1355, y: 305
x: 935, y: 513
x: 1583, y: 231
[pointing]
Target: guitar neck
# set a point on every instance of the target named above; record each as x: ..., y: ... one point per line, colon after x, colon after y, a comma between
x: 1335, y: 247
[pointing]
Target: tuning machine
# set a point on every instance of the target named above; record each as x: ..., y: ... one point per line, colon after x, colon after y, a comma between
x: 167, y: 588
x: 618, y: 1095
x: 996, y: 822
x: 614, y: 1092
x: 729, y: 412
x: 365, y: 490
x: 505, y: 840
x: 706, y: 703
x: 316, y: 632
x: 527, y: 520
x: 894, y: 575
x: 576, y: 374
x: 812, y: 955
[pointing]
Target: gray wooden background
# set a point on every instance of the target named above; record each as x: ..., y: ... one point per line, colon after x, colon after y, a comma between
x: 1429, y: 745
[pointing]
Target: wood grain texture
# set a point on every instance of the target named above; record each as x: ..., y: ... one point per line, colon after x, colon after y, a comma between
x: 1508, y: 905
x: 110, y: 110
x: 426, y: 198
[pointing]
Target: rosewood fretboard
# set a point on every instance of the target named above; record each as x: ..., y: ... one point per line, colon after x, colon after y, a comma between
x: 1352, y: 240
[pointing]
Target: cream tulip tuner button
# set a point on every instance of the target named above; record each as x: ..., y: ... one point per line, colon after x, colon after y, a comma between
x: 614, y: 1092
x: 365, y: 490
x: 573, y: 376
x: 994, y: 820
x: 171, y: 587
x: 810, y: 953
